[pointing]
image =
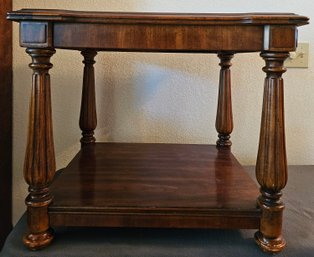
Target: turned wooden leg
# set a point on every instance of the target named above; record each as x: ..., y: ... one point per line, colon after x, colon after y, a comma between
x: 224, y: 120
x: 271, y: 166
x: 39, y: 167
x: 88, y: 118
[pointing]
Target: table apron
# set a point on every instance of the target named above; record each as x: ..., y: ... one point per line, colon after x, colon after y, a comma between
x: 159, y: 38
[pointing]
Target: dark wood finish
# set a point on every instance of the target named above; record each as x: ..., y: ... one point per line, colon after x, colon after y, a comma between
x: 280, y: 37
x: 174, y: 185
x: 271, y: 165
x: 6, y: 122
x: 88, y: 116
x: 224, y: 120
x: 157, y: 185
x: 53, y: 15
x: 172, y: 38
x: 39, y: 167
x: 159, y: 32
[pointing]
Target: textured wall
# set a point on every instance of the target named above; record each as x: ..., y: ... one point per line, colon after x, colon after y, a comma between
x: 163, y: 97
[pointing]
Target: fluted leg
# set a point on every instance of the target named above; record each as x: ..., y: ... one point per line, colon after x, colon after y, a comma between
x: 88, y: 118
x: 39, y: 167
x: 224, y: 120
x: 271, y: 166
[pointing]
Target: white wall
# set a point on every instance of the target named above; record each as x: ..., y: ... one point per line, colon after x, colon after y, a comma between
x: 163, y: 97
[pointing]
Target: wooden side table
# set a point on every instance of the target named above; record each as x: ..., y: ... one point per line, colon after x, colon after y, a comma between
x: 156, y: 185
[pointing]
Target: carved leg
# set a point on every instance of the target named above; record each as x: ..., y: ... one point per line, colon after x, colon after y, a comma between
x: 88, y: 118
x: 39, y: 167
x: 224, y: 121
x: 271, y: 166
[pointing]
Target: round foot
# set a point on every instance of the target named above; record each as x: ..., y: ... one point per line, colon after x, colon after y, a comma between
x: 269, y: 245
x: 38, y: 241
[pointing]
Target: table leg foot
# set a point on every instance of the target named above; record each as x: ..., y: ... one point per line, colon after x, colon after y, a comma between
x: 270, y: 245
x: 39, y: 240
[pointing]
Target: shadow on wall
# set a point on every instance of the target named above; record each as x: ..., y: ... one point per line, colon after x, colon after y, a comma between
x: 156, y: 97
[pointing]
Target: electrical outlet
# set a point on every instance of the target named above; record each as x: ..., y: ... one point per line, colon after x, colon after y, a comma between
x: 299, y: 58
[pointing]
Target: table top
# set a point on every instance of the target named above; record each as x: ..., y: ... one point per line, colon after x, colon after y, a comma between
x: 158, y: 32
x: 156, y: 18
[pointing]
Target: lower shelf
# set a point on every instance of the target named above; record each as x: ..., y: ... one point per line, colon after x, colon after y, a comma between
x: 154, y: 185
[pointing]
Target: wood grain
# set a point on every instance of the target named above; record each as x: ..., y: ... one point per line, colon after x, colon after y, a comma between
x: 88, y: 116
x: 271, y: 165
x: 39, y: 165
x: 170, y: 38
x: 157, y: 18
x: 156, y: 32
x: 157, y: 185
x: 224, y: 119
x: 171, y: 183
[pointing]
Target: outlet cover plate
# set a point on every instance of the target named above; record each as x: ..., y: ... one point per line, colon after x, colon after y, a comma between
x: 299, y: 58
